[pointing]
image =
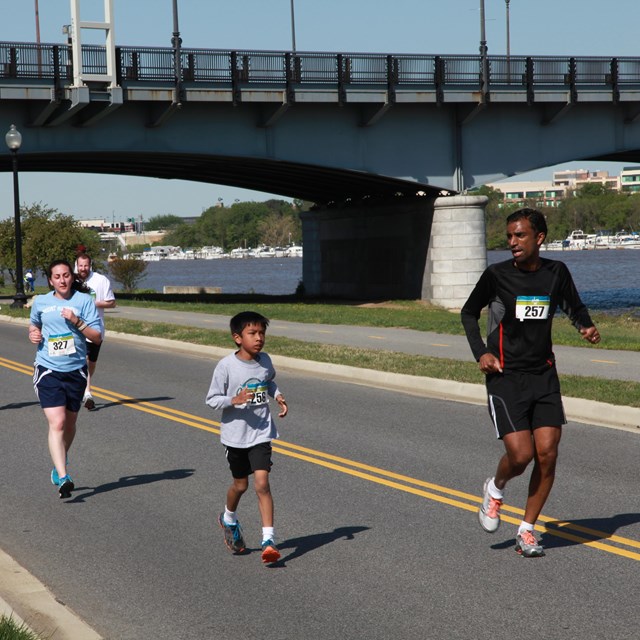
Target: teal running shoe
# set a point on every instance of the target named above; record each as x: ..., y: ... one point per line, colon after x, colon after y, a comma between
x: 55, y: 477
x: 232, y: 535
x: 65, y: 486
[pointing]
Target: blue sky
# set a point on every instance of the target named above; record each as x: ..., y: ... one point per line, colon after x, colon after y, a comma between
x: 538, y: 27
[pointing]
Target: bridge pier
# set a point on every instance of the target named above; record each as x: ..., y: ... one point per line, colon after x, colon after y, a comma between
x: 457, y: 251
x: 400, y: 248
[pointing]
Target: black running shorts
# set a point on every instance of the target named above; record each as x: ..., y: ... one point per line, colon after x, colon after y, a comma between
x: 93, y: 350
x: 524, y: 401
x: 243, y: 462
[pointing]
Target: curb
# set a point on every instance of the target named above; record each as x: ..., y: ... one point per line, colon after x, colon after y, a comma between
x: 24, y: 598
x: 577, y: 409
x: 599, y: 414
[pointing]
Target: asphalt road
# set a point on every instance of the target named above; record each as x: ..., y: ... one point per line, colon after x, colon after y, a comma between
x: 588, y: 361
x: 375, y: 494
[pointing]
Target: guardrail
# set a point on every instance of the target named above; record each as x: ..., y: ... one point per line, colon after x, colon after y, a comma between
x: 25, y: 61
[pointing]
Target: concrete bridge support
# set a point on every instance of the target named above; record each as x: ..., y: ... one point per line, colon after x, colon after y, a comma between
x: 457, y: 252
x: 399, y: 248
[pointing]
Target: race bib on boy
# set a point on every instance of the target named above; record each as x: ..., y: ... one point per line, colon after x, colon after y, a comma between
x: 259, y: 390
x: 532, y: 307
x: 61, y: 345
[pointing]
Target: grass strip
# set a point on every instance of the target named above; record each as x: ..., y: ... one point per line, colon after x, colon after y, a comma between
x: 617, y: 392
x: 11, y: 630
x: 618, y: 331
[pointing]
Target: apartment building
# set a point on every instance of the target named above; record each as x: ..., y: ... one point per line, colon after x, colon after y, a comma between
x: 550, y: 192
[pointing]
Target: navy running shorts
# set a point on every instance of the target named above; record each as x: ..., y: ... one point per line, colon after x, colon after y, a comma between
x: 521, y: 401
x: 243, y: 462
x: 59, y: 388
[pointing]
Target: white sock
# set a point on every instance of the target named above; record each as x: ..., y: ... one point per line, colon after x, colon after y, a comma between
x: 494, y: 492
x: 230, y: 517
x: 525, y: 526
x: 267, y: 534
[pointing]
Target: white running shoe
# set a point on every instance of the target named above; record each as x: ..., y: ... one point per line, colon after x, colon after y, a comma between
x: 489, y: 512
x: 527, y: 545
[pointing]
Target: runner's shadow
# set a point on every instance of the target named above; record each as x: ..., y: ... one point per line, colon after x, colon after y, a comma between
x: 586, y: 530
x: 131, y: 481
x: 305, y: 544
x: 108, y: 405
x: 19, y: 405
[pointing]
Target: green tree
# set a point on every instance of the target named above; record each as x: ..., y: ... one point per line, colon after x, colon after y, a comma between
x: 277, y: 230
x: 47, y: 235
x: 166, y: 221
x: 128, y: 272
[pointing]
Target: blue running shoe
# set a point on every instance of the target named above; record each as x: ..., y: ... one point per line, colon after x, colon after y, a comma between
x: 232, y: 535
x: 55, y: 477
x: 65, y: 486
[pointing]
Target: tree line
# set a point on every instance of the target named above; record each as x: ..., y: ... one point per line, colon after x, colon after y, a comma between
x: 49, y: 235
x: 592, y: 208
x: 275, y: 223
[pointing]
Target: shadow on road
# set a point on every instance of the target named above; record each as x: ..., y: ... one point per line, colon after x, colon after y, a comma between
x: 581, y: 531
x: 131, y: 481
x: 305, y: 544
x: 108, y: 405
x: 19, y: 405
x: 586, y: 530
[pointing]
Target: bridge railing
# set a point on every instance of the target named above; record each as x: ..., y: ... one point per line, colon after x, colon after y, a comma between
x: 27, y: 61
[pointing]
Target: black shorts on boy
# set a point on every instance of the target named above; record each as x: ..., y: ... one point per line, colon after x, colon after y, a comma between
x: 243, y: 462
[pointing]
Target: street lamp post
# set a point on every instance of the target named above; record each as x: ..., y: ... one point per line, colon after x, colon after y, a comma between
x: 176, y: 43
x: 484, y: 61
x: 293, y: 29
x: 508, y: 44
x: 14, y: 140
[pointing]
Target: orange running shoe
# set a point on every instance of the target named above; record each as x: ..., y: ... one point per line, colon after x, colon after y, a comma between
x: 270, y: 552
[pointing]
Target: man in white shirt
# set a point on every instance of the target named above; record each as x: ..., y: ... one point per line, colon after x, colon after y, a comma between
x: 100, y: 289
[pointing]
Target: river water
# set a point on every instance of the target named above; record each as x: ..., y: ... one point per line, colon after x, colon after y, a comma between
x: 606, y: 279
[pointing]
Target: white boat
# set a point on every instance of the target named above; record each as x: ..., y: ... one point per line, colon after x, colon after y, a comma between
x: 263, y: 252
x: 556, y: 245
x: 240, y: 253
x: 578, y: 240
x: 210, y: 253
x: 294, y: 251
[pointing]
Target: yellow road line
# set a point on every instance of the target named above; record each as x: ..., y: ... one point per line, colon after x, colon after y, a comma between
x: 606, y: 361
x: 366, y: 472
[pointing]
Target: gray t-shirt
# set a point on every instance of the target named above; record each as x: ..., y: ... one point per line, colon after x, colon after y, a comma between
x: 246, y: 425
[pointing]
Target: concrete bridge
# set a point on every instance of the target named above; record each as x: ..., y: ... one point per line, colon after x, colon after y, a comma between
x: 379, y: 142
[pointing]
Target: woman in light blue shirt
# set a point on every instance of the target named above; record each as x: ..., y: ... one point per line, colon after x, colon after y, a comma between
x: 60, y: 323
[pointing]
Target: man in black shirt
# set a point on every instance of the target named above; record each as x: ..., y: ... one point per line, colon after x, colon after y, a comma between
x: 522, y: 382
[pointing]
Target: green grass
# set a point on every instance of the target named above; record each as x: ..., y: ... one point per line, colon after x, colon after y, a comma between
x: 619, y: 332
x: 11, y: 630
x: 618, y: 392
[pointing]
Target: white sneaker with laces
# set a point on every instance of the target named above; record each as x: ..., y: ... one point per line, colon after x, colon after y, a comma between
x: 489, y: 512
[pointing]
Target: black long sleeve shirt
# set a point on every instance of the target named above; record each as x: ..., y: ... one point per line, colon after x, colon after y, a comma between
x: 521, y: 308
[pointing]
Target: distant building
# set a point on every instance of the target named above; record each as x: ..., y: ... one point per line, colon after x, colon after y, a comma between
x: 564, y: 184
x: 630, y: 179
x: 102, y: 226
x: 543, y: 193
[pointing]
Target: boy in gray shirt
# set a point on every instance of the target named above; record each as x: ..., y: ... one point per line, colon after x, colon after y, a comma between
x: 241, y: 384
